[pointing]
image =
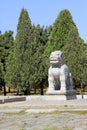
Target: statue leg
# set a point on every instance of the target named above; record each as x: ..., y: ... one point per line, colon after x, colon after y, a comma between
x: 63, y: 82
x: 50, y: 80
x: 51, y: 83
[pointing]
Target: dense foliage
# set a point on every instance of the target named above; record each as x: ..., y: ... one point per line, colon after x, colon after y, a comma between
x: 6, y: 42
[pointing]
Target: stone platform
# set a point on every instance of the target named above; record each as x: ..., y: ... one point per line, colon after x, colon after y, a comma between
x: 7, y: 99
x: 61, y: 95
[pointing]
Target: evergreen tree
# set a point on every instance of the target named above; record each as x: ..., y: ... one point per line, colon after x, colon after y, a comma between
x: 6, y: 41
x: 60, y: 30
x: 23, y: 39
x: 37, y: 77
x: 21, y: 54
x: 73, y: 54
x: 83, y: 73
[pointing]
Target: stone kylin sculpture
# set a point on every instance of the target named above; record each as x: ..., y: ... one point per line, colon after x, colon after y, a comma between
x: 59, y: 76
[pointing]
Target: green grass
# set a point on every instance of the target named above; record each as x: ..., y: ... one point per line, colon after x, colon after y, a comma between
x: 51, y: 129
x: 67, y: 128
x: 22, y: 129
x: 64, y: 128
x: 15, y: 113
x: 78, y: 112
x: 65, y: 111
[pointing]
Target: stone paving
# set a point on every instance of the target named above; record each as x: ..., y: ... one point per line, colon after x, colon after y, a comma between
x: 34, y: 114
x: 40, y: 102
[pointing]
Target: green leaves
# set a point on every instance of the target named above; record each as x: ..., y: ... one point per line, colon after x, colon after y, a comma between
x: 17, y: 67
x: 6, y: 42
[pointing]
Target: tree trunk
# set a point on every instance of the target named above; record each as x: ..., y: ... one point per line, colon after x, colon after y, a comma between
x: 42, y: 92
x: 9, y: 90
x: 27, y: 91
x: 4, y: 90
x: 35, y: 90
x: 0, y: 87
x: 82, y: 90
x: 17, y: 92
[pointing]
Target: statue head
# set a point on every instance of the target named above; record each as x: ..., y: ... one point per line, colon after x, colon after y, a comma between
x: 56, y: 57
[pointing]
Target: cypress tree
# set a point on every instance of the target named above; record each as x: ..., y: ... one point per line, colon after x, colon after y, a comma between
x: 20, y: 54
x: 60, y: 31
x: 37, y: 59
x: 73, y: 54
x: 6, y: 41
x: 23, y: 40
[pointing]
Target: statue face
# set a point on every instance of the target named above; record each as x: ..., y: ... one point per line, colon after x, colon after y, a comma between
x: 56, y: 57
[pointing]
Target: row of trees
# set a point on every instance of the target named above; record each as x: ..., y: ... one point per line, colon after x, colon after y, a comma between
x: 25, y: 59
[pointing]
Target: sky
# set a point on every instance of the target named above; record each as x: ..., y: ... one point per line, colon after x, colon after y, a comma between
x: 43, y: 12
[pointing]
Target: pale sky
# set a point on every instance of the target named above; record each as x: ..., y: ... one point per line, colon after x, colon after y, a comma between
x: 43, y: 12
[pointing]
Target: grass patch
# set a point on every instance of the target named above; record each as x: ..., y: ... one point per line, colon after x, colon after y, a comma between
x: 64, y: 128
x: 15, y: 113
x: 71, y: 112
x: 67, y: 128
x: 22, y: 129
x: 83, y: 112
x: 51, y: 129
x: 65, y: 111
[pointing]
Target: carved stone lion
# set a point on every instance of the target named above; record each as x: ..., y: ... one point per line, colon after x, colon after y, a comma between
x: 59, y: 77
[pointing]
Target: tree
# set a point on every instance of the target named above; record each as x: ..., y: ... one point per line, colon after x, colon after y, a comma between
x: 20, y: 54
x: 6, y: 41
x: 1, y: 75
x: 84, y: 65
x: 60, y: 30
x: 37, y: 76
x: 73, y: 54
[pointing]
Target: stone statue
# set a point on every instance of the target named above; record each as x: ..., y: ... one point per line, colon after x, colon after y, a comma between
x: 59, y: 76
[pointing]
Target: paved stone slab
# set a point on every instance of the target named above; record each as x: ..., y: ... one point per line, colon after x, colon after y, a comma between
x: 27, y: 114
x: 6, y: 99
x: 37, y: 104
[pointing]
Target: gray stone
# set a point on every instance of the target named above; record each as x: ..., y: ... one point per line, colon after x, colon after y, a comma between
x: 7, y: 99
x: 59, y: 78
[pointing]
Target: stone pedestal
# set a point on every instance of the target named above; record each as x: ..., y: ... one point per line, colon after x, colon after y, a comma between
x: 61, y: 95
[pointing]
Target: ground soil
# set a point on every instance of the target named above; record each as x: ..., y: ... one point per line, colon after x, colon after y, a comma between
x: 42, y: 115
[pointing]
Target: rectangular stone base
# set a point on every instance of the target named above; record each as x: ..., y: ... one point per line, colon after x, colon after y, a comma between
x: 58, y: 95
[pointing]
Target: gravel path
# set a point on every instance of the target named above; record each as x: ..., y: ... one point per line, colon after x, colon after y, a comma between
x: 39, y: 115
x: 37, y: 121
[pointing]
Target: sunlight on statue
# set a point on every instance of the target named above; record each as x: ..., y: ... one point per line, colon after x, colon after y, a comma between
x: 59, y: 76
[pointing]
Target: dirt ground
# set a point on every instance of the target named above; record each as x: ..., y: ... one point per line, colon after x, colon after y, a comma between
x: 43, y: 121
x: 36, y: 114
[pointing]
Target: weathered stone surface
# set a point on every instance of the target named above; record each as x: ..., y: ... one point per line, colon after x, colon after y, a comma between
x: 7, y: 99
x: 59, y: 78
